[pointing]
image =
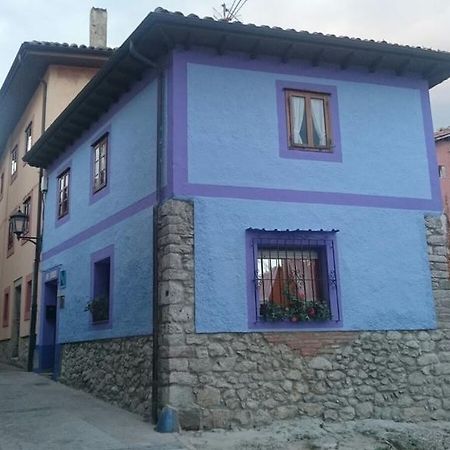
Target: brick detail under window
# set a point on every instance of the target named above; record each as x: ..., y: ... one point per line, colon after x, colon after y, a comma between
x: 312, y: 343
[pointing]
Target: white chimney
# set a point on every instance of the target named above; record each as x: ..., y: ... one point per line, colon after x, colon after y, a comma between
x: 98, y: 27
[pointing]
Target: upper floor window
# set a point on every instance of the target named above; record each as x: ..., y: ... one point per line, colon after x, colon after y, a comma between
x: 28, y: 137
x: 2, y: 184
x: 14, y: 163
x: 100, y: 167
x: 63, y: 193
x: 442, y: 172
x: 309, y: 125
x: 308, y: 121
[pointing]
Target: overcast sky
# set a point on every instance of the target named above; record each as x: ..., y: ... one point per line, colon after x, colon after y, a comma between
x: 411, y: 22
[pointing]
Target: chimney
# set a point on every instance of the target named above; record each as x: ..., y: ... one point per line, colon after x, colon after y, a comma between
x: 97, y: 27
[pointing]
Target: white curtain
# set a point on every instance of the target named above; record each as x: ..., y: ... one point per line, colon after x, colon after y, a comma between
x: 298, y: 115
x: 318, y: 110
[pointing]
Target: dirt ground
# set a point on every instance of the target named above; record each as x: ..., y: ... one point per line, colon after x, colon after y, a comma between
x: 314, y: 434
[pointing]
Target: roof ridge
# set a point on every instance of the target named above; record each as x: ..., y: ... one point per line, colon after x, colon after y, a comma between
x: 162, y: 11
x: 66, y: 45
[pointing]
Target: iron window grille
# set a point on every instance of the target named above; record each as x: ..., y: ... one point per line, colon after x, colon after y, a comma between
x: 100, y: 168
x: 294, y: 276
x: 63, y: 193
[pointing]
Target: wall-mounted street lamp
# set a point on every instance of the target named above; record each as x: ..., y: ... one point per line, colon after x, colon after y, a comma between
x: 19, y: 223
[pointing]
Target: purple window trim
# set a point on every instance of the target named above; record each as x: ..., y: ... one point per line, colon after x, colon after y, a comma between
x: 334, y: 294
x: 286, y: 151
x: 100, y: 255
x: 102, y: 192
x: 179, y: 151
x: 125, y: 213
x: 61, y: 170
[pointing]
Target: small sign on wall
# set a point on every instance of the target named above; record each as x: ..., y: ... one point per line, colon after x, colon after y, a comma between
x: 62, y: 282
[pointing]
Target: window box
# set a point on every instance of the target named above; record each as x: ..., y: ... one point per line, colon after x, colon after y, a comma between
x: 293, y: 279
x: 99, y: 309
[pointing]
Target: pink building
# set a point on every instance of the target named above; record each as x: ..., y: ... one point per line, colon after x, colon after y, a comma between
x: 442, y: 140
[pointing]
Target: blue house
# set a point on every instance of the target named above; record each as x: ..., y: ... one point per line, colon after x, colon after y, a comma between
x: 244, y: 222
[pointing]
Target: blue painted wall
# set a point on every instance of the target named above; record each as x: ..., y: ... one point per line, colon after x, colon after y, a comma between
x: 233, y: 141
x: 122, y: 218
x: 233, y: 134
x: 382, y: 258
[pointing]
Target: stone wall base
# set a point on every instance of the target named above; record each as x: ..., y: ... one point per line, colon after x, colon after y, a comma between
x: 19, y: 361
x: 248, y: 380
x: 116, y: 370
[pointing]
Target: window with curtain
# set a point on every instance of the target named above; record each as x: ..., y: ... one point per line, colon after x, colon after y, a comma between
x: 63, y: 194
x: 100, y: 167
x: 294, y: 276
x: 308, y: 120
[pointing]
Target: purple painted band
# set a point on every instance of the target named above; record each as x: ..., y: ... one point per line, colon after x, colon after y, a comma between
x: 178, y: 150
x: 146, y: 202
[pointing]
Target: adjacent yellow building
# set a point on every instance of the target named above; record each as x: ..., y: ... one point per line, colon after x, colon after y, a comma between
x: 44, y: 78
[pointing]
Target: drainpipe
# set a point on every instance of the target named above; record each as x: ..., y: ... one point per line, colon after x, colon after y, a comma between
x: 37, y: 251
x: 159, y: 153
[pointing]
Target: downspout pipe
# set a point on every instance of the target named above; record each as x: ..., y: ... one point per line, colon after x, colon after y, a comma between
x: 159, y: 154
x: 37, y: 251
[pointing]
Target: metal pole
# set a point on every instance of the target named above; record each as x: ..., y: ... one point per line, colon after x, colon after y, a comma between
x: 37, y: 251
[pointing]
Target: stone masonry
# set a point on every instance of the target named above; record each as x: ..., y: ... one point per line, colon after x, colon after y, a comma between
x: 116, y: 370
x: 5, y: 352
x: 246, y: 379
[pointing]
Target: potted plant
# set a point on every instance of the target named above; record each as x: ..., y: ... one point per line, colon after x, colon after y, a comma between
x: 99, y: 308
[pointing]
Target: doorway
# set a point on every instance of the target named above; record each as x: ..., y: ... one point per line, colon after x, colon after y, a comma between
x: 48, y: 336
x: 15, y: 329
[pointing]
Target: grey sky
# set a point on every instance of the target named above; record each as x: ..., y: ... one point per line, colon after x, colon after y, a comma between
x: 411, y: 22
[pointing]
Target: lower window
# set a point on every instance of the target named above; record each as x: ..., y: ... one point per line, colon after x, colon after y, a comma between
x: 99, y: 305
x: 294, y: 277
